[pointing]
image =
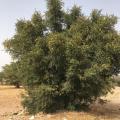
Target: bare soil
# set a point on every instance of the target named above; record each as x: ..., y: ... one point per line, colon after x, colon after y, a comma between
x: 11, y: 109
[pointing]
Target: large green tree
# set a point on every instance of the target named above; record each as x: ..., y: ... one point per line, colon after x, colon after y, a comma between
x: 65, y: 64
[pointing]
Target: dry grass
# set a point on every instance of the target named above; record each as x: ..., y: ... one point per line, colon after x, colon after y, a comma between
x: 11, y: 109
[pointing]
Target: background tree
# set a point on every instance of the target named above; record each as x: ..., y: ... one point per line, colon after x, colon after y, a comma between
x: 1, y: 77
x: 11, y: 75
x: 65, y: 69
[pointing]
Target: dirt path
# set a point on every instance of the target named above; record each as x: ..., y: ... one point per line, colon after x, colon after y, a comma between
x: 11, y: 109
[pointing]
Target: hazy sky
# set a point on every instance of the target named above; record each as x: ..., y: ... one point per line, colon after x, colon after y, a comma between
x: 11, y: 10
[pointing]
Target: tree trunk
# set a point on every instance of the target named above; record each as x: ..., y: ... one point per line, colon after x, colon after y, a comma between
x: 17, y: 85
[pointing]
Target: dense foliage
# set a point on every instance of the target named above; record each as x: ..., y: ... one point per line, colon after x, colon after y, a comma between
x: 66, y: 59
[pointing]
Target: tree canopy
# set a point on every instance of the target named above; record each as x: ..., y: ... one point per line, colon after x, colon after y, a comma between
x: 66, y: 59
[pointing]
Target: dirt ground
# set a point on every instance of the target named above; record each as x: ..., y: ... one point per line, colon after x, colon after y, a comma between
x: 11, y: 109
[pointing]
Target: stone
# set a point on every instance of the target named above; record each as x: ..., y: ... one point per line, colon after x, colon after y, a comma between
x: 32, y: 117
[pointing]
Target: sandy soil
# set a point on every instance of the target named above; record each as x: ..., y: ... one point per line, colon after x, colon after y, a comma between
x: 11, y: 109
x: 10, y: 99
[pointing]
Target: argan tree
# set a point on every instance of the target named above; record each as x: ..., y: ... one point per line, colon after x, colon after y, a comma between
x: 65, y: 64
